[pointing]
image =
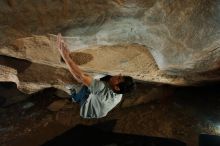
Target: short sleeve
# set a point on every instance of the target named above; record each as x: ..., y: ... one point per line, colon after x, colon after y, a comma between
x: 96, y: 86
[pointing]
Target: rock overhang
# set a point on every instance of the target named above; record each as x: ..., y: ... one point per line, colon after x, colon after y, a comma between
x: 172, y: 42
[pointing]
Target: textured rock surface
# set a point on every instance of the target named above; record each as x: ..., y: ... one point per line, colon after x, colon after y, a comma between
x: 33, y: 77
x: 181, y: 36
x: 174, y: 42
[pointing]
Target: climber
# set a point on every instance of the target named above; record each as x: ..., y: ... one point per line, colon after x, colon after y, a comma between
x: 96, y: 97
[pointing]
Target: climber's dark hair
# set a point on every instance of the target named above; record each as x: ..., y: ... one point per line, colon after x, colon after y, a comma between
x: 126, y: 86
x: 106, y: 78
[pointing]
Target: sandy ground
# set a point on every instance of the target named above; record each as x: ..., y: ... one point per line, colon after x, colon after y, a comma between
x: 184, y: 115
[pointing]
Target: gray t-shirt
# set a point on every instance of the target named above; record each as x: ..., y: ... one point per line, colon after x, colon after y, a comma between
x: 100, y: 101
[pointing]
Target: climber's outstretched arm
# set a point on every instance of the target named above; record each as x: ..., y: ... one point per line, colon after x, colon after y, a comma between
x: 78, y: 74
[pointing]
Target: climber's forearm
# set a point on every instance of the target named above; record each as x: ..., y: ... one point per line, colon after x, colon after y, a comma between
x: 79, y: 75
x: 73, y: 68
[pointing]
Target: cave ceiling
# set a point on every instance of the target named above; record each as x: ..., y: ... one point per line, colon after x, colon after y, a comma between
x: 165, y: 41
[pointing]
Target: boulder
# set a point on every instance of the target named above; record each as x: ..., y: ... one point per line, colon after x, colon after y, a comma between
x: 32, y: 77
x: 172, y: 42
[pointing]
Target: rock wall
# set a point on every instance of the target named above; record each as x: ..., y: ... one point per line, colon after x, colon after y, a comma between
x: 174, y: 42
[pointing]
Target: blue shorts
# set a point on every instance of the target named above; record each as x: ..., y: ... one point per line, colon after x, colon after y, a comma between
x: 81, y: 96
